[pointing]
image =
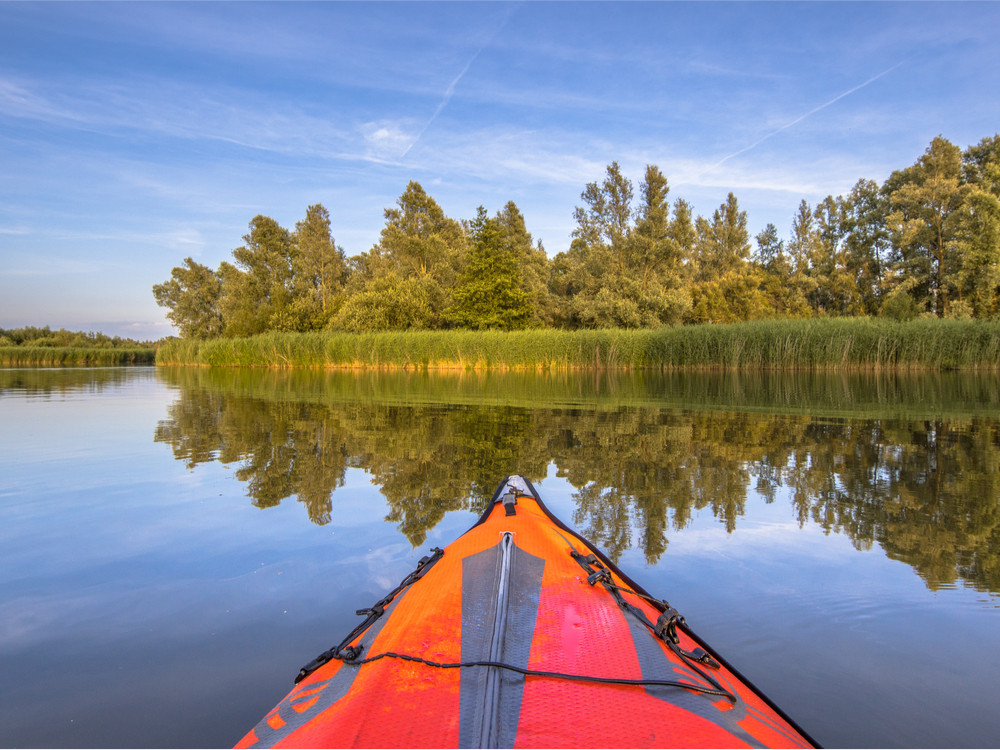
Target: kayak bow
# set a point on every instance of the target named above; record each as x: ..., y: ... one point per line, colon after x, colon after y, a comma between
x: 521, y: 633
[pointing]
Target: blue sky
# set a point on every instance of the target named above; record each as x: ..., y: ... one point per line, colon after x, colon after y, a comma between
x: 133, y: 135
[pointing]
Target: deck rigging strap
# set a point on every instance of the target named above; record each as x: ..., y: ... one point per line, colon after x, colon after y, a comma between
x: 371, y: 614
x: 534, y: 672
x: 665, y: 628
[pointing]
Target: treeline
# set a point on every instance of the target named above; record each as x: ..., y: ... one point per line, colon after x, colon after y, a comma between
x: 925, y: 242
x: 33, y: 346
x: 32, y: 336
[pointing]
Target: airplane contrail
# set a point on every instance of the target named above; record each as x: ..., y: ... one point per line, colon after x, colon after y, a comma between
x: 450, y: 91
x: 799, y: 119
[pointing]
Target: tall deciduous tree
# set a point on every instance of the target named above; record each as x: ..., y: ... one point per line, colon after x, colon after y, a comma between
x: 605, y: 222
x: 192, y: 298
x: 257, y: 291
x: 624, y: 267
x: 834, y: 292
x: 419, y: 239
x: 318, y: 267
x: 654, y: 252
x: 684, y: 237
x: 976, y: 245
x: 976, y: 240
x: 776, y: 276
x: 405, y: 279
x: 724, y: 243
x: 979, y: 164
x: 726, y: 287
x: 867, y: 244
x: 922, y: 221
x: 802, y: 249
x: 771, y: 249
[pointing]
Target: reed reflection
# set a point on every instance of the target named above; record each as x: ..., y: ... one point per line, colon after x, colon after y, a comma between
x: 644, y: 452
x: 60, y: 381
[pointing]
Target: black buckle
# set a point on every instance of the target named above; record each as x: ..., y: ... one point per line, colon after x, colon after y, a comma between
x: 701, y: 655
x: 666, y: 625
x: 436, y: 552
x: 599, y: 575
x: 349, y: 654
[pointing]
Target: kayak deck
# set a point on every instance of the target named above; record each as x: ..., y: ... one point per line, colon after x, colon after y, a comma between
x: 521, y: 634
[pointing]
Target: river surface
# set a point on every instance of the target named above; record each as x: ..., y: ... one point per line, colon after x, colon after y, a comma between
x: 176, y: 543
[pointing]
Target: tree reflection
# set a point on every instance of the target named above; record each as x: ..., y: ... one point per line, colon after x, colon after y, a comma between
x: 924, y: 489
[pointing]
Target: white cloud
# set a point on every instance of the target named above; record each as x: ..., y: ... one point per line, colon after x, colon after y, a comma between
x: 386, y: 140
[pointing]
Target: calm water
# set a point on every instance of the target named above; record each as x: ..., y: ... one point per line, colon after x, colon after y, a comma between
x: 174, y: 545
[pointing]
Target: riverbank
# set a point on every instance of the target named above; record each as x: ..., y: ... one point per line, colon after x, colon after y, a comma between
x: 29, y: 356
x: 819, y: 344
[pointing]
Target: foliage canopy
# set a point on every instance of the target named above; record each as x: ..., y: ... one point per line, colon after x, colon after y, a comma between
x: 925, y: 242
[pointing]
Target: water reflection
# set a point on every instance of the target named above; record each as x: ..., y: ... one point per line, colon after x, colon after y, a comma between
x: 59, y: 381
x: 908, y: 463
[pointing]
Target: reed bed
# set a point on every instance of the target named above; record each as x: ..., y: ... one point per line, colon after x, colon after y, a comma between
x: 821, y: 344
x: 26, y: 356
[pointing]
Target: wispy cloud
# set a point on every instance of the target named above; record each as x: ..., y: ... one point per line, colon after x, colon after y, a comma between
x: 553, y: 157
x: 179, y: 111
x: 802, y: 117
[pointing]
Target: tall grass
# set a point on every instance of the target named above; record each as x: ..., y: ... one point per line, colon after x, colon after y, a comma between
x: 822, y: 344
x: 16, y: 356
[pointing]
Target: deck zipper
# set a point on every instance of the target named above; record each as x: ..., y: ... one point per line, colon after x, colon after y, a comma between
x: 490, y: 736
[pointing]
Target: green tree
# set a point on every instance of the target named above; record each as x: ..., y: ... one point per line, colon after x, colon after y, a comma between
x: 418, y: 257
x: 684, y: 237
x: 979, y: 164
x: 724, y: 243
x: 834, y: 292
x: 257, y: 291
x: 532, y: 262
x: 605, y: 223
x: 866, y: 243
x: 655, y: 253
x: 775, y: 270
x: 802, y: 249
x: 726, y: 288
x: 419, y: 239
x: 771, y: 250
x: 390, y: 302
x: 319, y: 269
x: 924, y: 199
x: 976, y: 240
x: 624, y: 267
x: 976, y: 245
x: 489, y: 294
x: 192, y: 298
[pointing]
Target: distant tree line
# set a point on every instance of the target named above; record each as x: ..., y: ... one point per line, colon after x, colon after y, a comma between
x: 925, y: 242
x: 45, y: 337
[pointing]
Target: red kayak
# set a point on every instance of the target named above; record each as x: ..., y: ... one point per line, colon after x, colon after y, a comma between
x: 520, y: 633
